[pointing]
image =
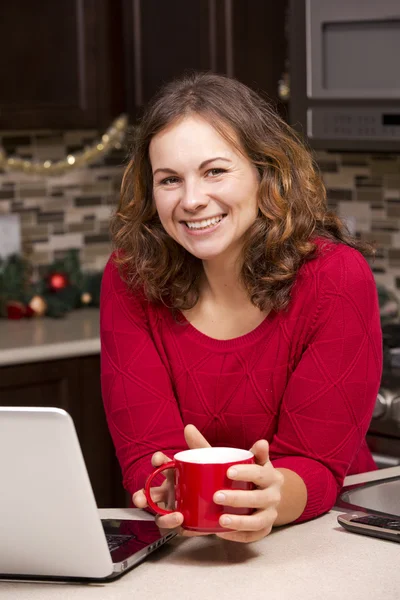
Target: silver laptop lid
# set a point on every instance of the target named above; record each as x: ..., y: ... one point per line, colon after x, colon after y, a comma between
x: 49, y: 523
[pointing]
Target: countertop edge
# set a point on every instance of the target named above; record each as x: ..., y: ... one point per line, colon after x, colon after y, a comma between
x: 61, y: 350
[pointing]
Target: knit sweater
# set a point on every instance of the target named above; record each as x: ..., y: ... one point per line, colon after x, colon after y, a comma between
x: 306, y: 379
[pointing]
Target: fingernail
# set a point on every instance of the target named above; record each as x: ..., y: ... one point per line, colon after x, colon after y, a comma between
x: 177, y: 519
x: 219, y: 497
x: 232, y: 472
x: 225, y: 520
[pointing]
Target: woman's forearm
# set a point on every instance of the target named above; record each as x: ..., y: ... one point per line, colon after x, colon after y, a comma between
x: 293, y: 500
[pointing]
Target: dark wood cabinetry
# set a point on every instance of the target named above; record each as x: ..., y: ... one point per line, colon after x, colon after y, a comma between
x: 60, y: 63
x: 78, y: 64
x: 234, y: 37
x: 74, y: 385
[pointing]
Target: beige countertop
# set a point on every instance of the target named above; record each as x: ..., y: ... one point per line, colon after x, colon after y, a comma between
x: 43, y: 338
x: 317, y: 560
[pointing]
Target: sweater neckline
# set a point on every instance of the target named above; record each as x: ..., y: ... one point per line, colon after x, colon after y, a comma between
x: 232, y: 343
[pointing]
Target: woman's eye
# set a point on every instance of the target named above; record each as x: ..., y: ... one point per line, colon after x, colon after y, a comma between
x: 215, y: 172
x: 169, y: 181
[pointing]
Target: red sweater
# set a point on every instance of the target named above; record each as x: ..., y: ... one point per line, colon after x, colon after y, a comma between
x: 305, y: 379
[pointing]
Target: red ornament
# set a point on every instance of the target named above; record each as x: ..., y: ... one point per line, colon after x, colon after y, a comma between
x: 15, y: 310
x: 29, y: 312
x: 57, y: 281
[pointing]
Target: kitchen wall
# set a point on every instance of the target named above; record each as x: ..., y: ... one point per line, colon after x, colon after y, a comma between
x: 68, y: 211
x: 73, y: 210
x: 366, y: 189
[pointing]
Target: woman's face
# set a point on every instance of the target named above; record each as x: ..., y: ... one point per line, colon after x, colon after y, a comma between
x: 205, y: 191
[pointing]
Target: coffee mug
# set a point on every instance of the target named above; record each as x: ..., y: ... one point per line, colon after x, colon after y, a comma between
x: 199, y: 473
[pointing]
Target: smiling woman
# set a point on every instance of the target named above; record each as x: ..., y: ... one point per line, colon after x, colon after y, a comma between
x: 205, y: 196
x: 236, y: 310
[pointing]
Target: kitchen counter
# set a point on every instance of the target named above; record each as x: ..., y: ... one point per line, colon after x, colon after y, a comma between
x: 43, y: 338
x: 317, y: 560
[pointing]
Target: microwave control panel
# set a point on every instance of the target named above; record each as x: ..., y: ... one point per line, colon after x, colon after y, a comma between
x: 353, y: 124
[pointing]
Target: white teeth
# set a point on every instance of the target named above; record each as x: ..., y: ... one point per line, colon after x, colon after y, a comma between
x: 205, y: 223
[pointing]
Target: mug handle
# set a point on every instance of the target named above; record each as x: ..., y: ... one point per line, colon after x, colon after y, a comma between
x: 147, y: 492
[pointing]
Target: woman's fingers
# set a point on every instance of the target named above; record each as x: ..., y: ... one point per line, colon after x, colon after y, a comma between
x: 261, y: 476
x: 159, y: 458
x: 261, y: 520
x: 139, y: 499
x: 194, y: 438
x: 259, y: 498
x: 261, y: 452
x: 244, y: 537
x: 170, y: 521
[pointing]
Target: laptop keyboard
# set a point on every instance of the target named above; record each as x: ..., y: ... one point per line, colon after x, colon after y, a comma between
x: 115, y: 541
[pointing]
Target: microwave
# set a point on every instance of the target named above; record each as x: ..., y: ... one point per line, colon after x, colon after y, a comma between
x: 344, y: 60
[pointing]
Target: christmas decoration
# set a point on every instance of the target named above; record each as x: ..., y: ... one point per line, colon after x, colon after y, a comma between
x: 64, y: 287
x: 86, y: 298
x: 38, y: 305
x: 112, y: 138
x: 57, y: 281
x: 15, y: 310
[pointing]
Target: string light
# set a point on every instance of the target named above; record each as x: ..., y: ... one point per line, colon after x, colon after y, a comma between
x: 112, y: 138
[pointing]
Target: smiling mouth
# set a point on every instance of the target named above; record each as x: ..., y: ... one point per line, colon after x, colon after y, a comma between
x: 204, y: 224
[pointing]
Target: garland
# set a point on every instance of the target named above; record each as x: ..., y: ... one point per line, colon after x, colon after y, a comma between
x: 112, y: 138
x: 64, y: 287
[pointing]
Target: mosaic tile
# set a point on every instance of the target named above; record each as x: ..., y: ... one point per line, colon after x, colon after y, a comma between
x: 337, y: 194
x: 87, y: 200
x: 392, y: 225
x: 354, y: 160
x: 369, y: 195
x: 393, y: 209
x: 383, y: 238
x: 95, y: 239
x: 85, y: 227
x: 392, y: 181
x: 39, y: 192
x: 50, y: 217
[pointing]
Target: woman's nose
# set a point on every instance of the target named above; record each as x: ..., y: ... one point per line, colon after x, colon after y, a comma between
x: 193, y: 199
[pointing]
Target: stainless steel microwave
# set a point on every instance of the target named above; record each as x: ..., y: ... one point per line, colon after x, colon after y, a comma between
x: 345, y: 73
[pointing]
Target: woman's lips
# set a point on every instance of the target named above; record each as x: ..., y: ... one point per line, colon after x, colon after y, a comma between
x: 205, y: 230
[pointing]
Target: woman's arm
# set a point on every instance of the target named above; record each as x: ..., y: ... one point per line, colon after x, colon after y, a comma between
x: 142, y: 413
x: 328, y: 403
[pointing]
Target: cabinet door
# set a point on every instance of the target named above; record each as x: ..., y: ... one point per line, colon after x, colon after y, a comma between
x: 241, y: 38
x: 163, y: 39
x: 55, y: 63
x: 97, y: 447
x: 53, y: 383
x: 259, y: 44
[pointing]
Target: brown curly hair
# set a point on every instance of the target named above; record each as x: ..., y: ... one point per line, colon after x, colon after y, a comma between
x: 292, y: 198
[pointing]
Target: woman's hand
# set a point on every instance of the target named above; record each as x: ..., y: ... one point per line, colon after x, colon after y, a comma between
x: 264, y: 499
x: 165, y: 493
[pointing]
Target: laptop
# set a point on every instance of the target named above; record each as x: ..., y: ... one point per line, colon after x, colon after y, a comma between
x: 49, y: 522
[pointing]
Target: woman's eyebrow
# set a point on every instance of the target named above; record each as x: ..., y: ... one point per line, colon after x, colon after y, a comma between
x: 201, y: 166
x: 210, y: 160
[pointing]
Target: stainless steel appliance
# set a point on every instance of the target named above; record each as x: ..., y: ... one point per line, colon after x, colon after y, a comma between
x: 344, y: 73
x: 383, y: 437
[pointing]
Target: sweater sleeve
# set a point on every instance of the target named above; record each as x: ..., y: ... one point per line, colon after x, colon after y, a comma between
x: 329, y: 400
x: 141, y: 410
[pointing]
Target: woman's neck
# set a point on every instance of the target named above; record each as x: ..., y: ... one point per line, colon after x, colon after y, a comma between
x: 222, y: 282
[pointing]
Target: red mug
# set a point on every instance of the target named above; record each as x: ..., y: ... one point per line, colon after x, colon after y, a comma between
x: 199, y: 474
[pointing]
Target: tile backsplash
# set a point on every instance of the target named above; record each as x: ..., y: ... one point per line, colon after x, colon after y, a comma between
x: 66, y: 211
x: 73, y: 210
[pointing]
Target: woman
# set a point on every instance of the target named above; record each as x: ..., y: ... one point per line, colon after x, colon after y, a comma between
x: 236, y: 305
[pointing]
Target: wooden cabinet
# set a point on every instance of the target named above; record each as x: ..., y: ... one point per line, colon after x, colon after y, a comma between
x: 235, y: 37
x: 78, y: 64
x: 74, y: 385
x: 60, y: 63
